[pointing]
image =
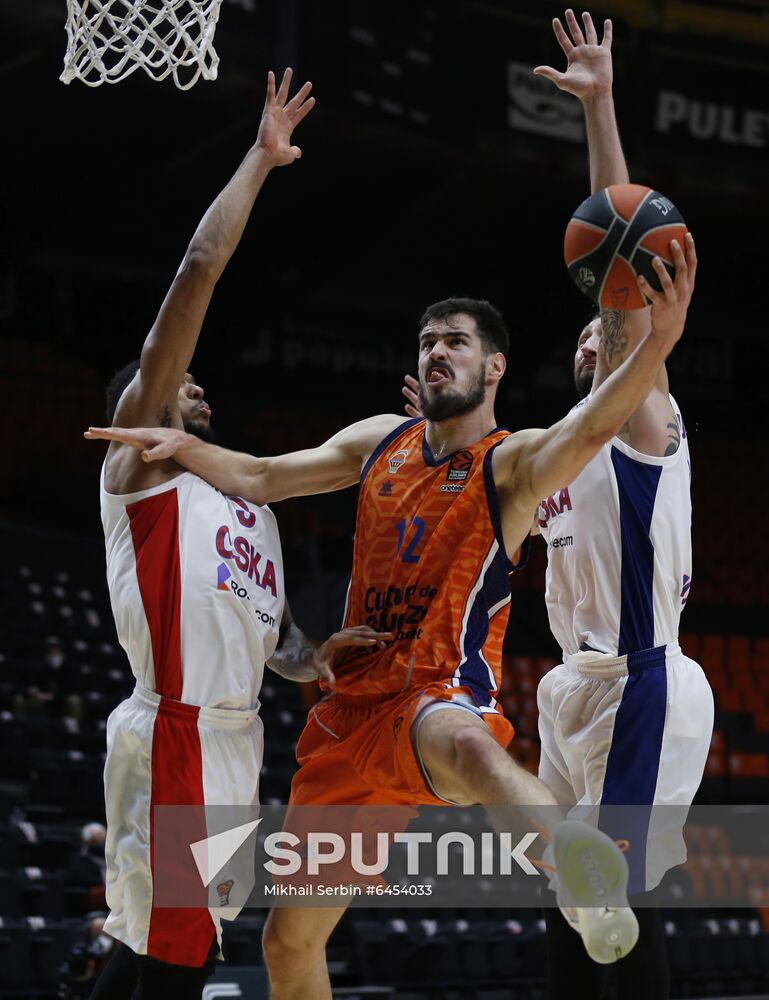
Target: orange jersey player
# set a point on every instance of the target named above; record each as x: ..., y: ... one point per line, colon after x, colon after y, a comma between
x: 430, y: 567
x: 445, y: 506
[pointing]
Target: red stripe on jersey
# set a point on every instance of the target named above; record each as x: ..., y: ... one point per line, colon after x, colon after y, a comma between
x: 181, y: 935
x: 155, y: 532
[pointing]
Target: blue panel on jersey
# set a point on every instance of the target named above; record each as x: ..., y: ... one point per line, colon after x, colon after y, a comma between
x: 385, y: 442
x: 493, y: 501
x: 496, y: 587
x: 637, y: 484
x: 633, y: 762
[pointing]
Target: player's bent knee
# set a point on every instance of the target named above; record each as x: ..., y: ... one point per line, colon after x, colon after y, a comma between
x: 289, y: 945
x: 474, y: 747
x: 288, y: 949
x: 472, y: 751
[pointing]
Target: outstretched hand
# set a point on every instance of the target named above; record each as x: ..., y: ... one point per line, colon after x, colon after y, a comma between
x: 358, y: 635
x: 280, y: 117
x: 669, y: 307
x: 588, y: 63
x: 155, y: 443
x: 410, y: 390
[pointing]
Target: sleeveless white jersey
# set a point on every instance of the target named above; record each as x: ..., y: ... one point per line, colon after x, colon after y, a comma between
x: 196, y: 585
x: 619, y: 553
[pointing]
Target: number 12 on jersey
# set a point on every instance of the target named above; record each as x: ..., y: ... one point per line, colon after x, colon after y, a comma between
x: 408, y: 554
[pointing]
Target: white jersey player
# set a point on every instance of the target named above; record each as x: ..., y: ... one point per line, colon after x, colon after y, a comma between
x: 196, y: 584
x: 197, y: 590
x: 626, y: 719
x: 618, y: 575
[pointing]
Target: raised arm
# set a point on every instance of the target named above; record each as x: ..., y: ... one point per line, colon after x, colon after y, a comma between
x: 589, y: 76
x: 651, y: 428
x: 534, y: 464
x: 334, y: 465
x: 151, y: 399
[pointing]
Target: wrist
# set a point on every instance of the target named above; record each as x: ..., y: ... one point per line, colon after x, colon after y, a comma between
x: 260, y: 159
x: 663, y: 340
x: 185, y: 443
x: 598, y: 100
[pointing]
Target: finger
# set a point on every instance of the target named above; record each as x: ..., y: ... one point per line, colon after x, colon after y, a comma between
x: 338, y: 641
x: 550, y: 74
x: 325, y: 671
x: 302, y: 112
x: 285, y: 83
x: 297, y: 153
x: 563, y: 39
x: 608, y: 33
x: 363, y: 632
x: 590, y: 32
x: 112, y: 434
x: 576, y: 32
x: 679, y: 262
x: 301, y: 95
x: 270, y: 88
x: 412, y: 411
x: 411, y: 382
x: 156, y: 454
x: 360, y: 632
x: 411, y: 396
x: 662, y: 273
x: 691, y: 255
x: 649, y: 293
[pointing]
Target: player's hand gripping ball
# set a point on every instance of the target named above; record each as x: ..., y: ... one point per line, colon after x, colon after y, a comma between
x: 613, y: 237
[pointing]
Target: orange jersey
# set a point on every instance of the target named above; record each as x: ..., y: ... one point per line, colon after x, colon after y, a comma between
x: 429, y: 565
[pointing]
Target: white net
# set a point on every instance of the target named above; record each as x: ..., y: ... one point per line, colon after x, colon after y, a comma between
x: 108, y: 39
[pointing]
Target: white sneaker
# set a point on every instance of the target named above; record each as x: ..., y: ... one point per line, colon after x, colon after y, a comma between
x: 591, y: 889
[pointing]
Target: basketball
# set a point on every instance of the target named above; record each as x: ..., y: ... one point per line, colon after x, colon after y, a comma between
x: 613, y: 237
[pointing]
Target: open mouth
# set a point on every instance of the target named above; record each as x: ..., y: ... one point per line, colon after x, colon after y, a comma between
x: 436, y: 376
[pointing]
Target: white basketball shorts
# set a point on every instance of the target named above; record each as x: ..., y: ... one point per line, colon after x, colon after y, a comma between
x: 628, y: 730
x: 164, y: 753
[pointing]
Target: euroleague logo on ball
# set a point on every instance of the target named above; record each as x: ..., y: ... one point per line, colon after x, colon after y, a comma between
x: 585, y: 278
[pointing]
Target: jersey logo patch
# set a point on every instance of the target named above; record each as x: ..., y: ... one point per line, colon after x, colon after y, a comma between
x: 222, y: 576
x: 397, y: 460
x: 386, y: 489
x: 459, y: 467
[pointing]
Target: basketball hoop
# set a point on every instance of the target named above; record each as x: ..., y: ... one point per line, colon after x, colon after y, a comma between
x: 108, y: 39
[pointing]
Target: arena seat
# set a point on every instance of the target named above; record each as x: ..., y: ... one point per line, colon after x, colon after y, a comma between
x: 16, y: 967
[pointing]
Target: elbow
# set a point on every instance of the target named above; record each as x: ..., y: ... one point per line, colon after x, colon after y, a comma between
x: 595, y: 434
x: 200, y: 264
x: 597, y: 425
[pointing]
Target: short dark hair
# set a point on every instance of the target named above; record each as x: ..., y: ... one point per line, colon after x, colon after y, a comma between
x: 117, y: 386
x: 491, y: 325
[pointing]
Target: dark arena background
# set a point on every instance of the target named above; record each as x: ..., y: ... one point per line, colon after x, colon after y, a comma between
x: 435, y: 164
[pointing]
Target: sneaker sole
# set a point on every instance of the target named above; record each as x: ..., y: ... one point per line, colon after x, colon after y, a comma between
x: 608, y: 934
x: 593, y: 876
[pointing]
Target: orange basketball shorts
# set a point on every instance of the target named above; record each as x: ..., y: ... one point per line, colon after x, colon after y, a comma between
x: 358, y: 750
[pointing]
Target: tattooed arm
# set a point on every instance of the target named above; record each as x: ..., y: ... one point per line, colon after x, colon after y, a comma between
x: 652, y: 429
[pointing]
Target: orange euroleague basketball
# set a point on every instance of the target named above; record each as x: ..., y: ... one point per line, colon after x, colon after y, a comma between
x: 613, y: 237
